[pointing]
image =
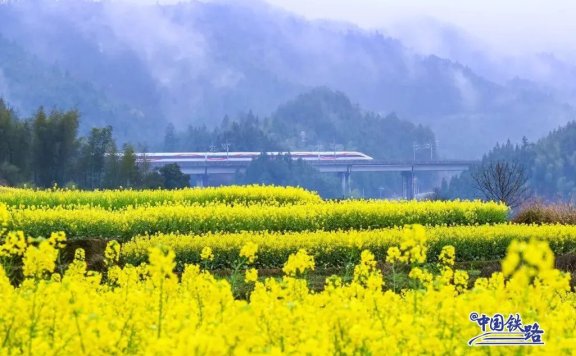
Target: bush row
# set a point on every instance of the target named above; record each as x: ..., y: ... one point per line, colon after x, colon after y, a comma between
x: 361, y: 215
x: 119, y: 199
x: 540, y: 213
x: 340, y: 248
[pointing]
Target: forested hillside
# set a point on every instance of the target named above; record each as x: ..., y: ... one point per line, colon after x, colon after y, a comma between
x: 28, y: 82
x: 337, y: 124
x: 46, y: 150
x: 193, y: 63
x: 550, y: 165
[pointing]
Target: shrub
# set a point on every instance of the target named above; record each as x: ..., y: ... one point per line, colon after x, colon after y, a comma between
x: 540, y: 213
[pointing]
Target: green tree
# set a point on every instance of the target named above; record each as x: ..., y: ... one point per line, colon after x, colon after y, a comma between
x: 14, y: 147
x: 54, y: 146
x: 170, y: 139
x: 173, y: 178
x: 42, y: 152
x: 93, y: 156
x: 112, y: 173
x: 152, y: 180
x: 129, y: 172
x: 65, y: 126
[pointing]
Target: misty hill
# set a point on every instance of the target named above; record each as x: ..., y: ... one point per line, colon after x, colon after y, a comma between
x: 28, y: 83
x: 550, y: 72
x: 193, y: 63
x: 338, y: 125
x: 549, y: 164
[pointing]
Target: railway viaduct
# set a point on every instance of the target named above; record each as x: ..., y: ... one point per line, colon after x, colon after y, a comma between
x: 199, y: 171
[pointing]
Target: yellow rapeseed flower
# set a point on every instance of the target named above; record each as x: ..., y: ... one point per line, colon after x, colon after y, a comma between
x: 251, y: 275
x: 39, y: 260
x: 298, y: 263
x: 249, y: 251
x: 447, y: 255
x: 207, y: 254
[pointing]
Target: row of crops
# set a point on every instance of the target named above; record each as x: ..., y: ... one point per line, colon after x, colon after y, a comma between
x: 279, y: 219
x: 235, y: 270
x: 120, y: 199
x: 337, y: 248
x: 95, y: 222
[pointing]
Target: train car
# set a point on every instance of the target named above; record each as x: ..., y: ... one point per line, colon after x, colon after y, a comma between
x: 184, y: 157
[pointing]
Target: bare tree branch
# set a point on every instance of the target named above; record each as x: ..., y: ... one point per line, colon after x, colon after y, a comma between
x: 502, y: 181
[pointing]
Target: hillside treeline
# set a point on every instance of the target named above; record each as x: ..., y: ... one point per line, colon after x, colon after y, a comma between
x: 549, y: 164
x: 45, y: 150
x: 318, y: 120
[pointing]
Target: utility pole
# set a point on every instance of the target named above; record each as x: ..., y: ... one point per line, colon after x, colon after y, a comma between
x: 334, y: 146
x: 226, y: 145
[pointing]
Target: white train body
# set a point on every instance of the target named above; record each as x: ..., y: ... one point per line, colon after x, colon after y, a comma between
x: 185, y: 157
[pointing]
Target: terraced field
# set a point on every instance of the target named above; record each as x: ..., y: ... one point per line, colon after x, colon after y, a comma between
x: 238, y: 270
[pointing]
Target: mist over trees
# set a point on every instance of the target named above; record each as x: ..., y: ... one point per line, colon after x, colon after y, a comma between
x: 138, y: 67
x: 337, y: 125
x: 45, y: 151
x: 284, y: 170
x: 55, y: 154
x: 28, y: 82
x: 549, y: 164
x: 247, y: 76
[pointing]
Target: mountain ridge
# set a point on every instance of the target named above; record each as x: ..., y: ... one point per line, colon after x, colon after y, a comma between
x: 197, y: 62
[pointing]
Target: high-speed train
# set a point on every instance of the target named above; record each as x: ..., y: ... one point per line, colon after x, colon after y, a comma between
x: 182, y: 157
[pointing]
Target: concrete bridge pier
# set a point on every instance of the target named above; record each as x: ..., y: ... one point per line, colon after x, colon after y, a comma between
x: 345, y: 179
x: 198, y: 180
x: 408, y: 184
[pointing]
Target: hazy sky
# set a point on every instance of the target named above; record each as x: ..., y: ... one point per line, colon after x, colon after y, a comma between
x: 508, y: 25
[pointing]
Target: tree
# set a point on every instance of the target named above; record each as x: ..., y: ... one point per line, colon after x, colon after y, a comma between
x: 129, y: 172
x: 112, y: 177
x: 196, y: 138
x: 54, y: 146
x: 170, y: 139
x: 65, y: 129
x: 41, y: 152
x: 14, y: 146
x: 6, y: 123
x: 173, y: 177
x: 503, y: 181
x: 152, y: 180
x: 9, y: 173
x: 93, y: 156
